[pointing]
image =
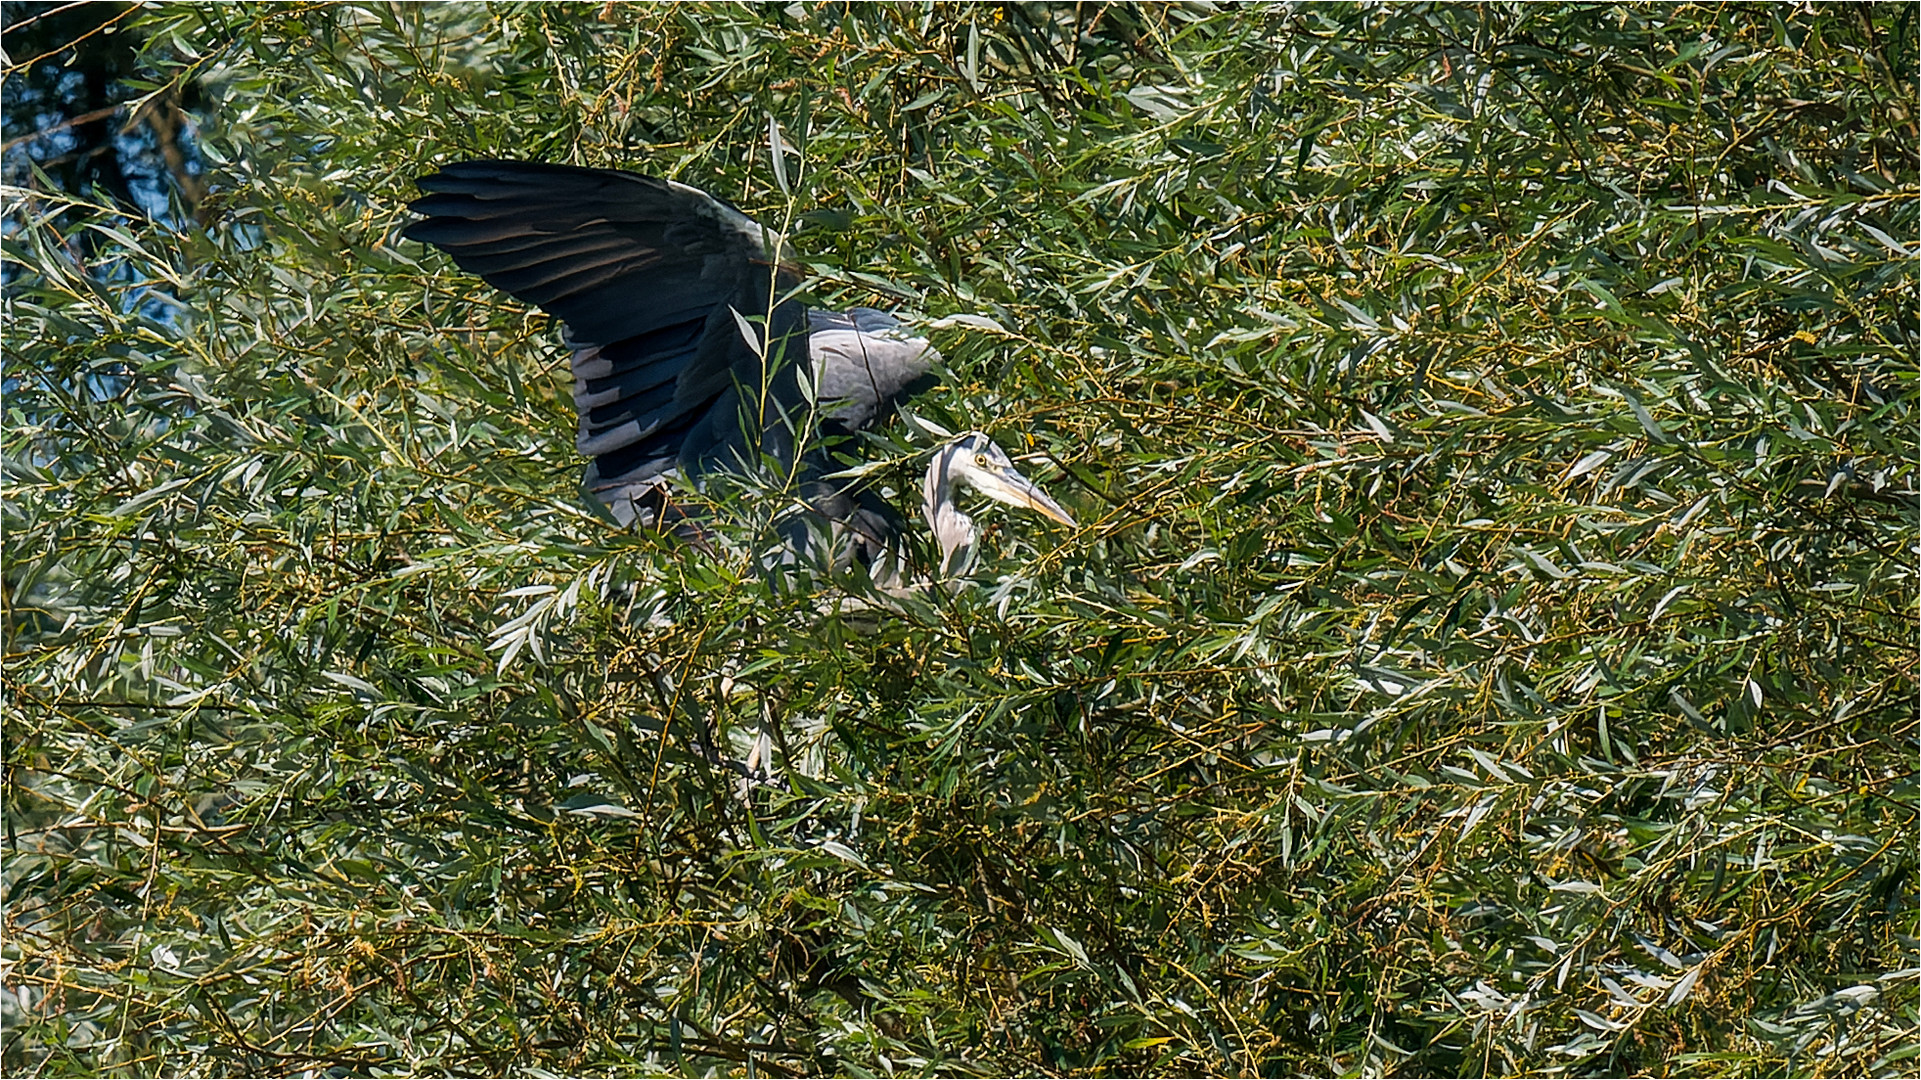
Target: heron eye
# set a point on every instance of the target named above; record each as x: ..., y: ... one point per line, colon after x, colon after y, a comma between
x: 980, y: 460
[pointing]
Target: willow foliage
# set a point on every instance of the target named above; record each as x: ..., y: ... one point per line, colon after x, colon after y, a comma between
x: 1488, y: 647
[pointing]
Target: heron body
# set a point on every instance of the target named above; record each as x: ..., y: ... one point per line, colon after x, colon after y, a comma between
x: 689, y: 349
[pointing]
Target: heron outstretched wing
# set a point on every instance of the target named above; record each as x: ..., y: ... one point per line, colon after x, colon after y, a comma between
x: 647, y: 274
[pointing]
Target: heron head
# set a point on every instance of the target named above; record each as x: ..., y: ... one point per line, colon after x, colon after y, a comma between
x: 974, y: 460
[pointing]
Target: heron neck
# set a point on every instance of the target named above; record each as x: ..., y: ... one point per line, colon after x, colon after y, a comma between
x: 956, y: 533
x: 953, y: 530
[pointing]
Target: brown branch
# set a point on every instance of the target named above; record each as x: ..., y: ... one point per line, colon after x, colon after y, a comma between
x: 25, y: 64
x: 165, y: 119
x: 72, y: 121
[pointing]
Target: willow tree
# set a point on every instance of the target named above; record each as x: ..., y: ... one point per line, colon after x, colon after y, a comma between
x: 1488, y: 646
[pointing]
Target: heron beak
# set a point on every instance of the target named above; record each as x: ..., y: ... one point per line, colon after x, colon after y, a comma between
x: 1014, y: 489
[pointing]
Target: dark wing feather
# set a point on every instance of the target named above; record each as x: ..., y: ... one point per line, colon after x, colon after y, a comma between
x: 644, y: 273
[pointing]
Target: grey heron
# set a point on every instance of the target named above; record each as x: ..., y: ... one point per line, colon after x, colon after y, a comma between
x: 690, y: 354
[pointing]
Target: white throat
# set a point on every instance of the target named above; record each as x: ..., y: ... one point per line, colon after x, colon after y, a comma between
x: 953, y: 530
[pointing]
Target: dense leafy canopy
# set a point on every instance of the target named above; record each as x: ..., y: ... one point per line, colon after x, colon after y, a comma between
x: 1488, y: 646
